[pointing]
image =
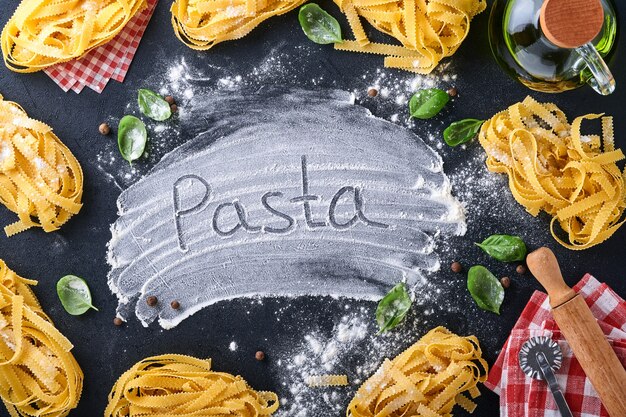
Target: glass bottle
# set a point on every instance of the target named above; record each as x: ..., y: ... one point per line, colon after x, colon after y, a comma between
x: 522, y: 49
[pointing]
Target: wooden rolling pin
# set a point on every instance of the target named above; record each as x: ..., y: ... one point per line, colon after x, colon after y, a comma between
x: 580, y: 328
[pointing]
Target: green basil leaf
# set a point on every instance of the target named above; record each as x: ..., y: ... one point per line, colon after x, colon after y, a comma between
x: 504, y: 248
x: 319, y: 26
x: 152, y: 105
x: 462, y: 131
x: 131, y: 138
x: 393, y: 308
x: 428, y: 103
x: 485, y: 289
x: 74, y: 295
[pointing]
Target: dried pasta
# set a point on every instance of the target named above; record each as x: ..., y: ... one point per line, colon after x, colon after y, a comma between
x: 315, y: 381
x: 177, y: 385
x: 40, y: 180
x: 43, y: 33
x: 552, y: 167
x: 202, y: 24
x: 428, y: 379
x: 429, y: 30
x: 38, y: 374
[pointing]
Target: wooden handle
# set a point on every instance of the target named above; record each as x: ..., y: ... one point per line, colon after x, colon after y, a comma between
x: 544, y: 266
x: 580, y: 328
x: 571, y: 23
x: 594, y: 353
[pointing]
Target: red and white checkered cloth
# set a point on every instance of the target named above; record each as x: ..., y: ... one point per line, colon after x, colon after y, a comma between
x: 109, y: 61
x: 521, y: 396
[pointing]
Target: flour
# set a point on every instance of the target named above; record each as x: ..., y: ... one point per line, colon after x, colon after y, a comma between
x: 6, y: 153
x: 303, y: 188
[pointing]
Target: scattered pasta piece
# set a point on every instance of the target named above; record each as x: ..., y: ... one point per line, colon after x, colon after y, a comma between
x: 202, y: 24
x: 552, y: 167
x: 177, y: 385
x: 43, y: 33
x: 38, y: 374
x: 39, y: 176
x: 429, y: 30
x: 428, y: 379
x: 327, y: 381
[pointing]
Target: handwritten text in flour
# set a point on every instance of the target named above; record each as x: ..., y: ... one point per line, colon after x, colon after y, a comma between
x: 183, y: 209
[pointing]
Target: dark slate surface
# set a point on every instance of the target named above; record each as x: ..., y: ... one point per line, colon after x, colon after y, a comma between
x: 80, y: 248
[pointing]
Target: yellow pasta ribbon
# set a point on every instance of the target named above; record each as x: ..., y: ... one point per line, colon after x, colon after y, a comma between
x: 38, y: 374
x: 552, y: 167
x: 202, y: 24
x: 177, y: 385
x: 43, y: 33
x: 429, y: 30
x: 428, y: 379
x: 40, y: 180
x: 315, y: 381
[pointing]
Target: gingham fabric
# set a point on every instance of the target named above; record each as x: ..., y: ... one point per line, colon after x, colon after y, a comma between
x: 109, y: 61
x: 521, y: 396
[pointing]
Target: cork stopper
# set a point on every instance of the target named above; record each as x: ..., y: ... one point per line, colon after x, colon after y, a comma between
x: 571, y: 23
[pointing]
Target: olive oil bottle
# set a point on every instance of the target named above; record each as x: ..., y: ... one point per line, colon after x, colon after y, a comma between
x: 521, y: 47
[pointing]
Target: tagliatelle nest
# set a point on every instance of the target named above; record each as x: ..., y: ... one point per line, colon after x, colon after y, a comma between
x: 552, y: 167
x: 177, y: 385
x: 40, y: 179
x: 38, y: 374
x: 43, y: 33
x: 428, y: 379
x: 429, y: 30
x: 202, y: 24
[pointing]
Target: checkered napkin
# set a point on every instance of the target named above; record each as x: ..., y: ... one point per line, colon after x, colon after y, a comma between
x: 521, y: 396
x: 109, y: 61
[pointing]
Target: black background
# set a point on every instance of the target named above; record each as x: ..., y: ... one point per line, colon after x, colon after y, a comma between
x: 105, y: 351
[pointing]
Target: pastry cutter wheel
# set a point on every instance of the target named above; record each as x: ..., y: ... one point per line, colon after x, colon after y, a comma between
x: 540, y: 357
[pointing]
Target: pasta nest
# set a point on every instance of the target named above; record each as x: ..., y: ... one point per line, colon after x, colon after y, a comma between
x: 428, y: 379
x: 429, y: 30
x: 43, y: 33
x: 38, y: 374
x: 40, y: 179
x: 202, y: 24
x: 177, y: 385
x: 553, y: 167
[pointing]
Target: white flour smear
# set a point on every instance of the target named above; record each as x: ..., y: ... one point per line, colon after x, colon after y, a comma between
x: 280, y: 193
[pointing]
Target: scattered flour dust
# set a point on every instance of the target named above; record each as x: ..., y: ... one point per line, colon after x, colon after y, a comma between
x: 184, y: 80
x: 351, y: 348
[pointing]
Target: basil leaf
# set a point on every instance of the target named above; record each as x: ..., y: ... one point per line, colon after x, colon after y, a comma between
x: 485, y: 289
x: 428, y: 103
x: 131, y: 138
x: 74, y: 295
x: 504, y: 248
x: 319, y: 26
x: 462, y: 131
x: 152, y: 105
x: 393, y: 308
